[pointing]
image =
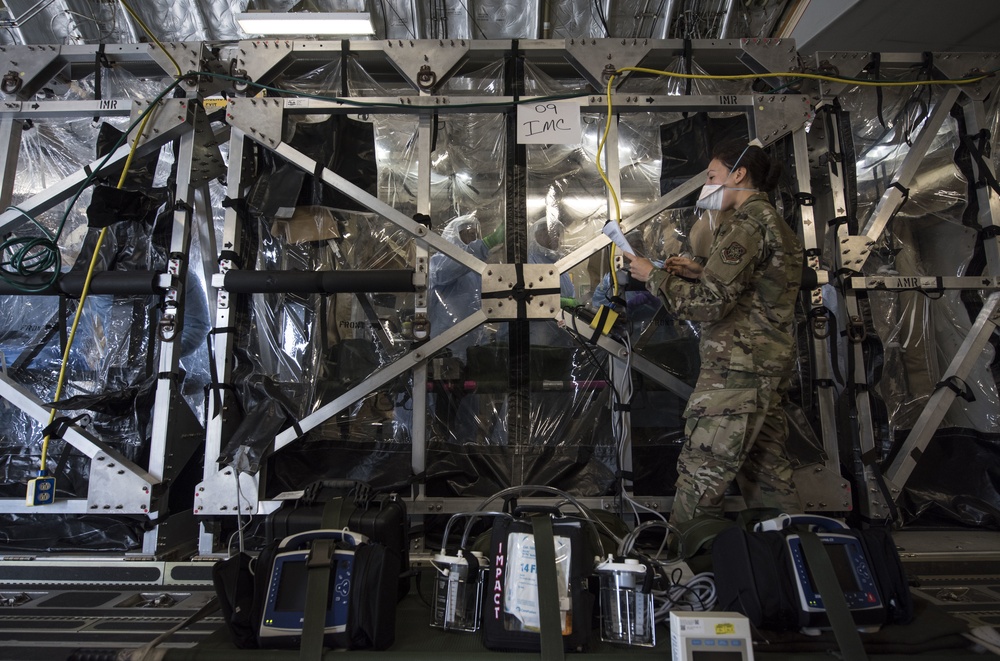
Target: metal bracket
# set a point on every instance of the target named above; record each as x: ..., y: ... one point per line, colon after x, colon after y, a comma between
x: 596, y: 59
x: 846, y: 64
x: 114, y: 489
x: 822, y: 489
x: 259, y: 118
x: 259, y: 60
x: 218, y: 494
x: 956, y: 66
x: 426, y: 64
x: 25, y: 69
x: 206, y: 161
x: 769, y: 56
x: 777, y: 115
x: 854, y: 251
x: 167, y: 119
x: 190, y: 57
x: 502, y: 278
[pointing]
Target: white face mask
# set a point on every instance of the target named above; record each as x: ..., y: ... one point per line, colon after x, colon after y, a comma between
x: 710, y: 196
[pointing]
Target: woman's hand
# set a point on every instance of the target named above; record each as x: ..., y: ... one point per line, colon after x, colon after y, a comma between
x: 639, y: 268
x: 684, y: 267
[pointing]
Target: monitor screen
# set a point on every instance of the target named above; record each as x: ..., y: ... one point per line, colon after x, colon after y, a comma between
x: 716, y: 655
x: 291, y: 594
x: 843, y: 568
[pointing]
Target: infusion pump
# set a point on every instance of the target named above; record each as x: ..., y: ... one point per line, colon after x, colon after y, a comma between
x: 710, y: 636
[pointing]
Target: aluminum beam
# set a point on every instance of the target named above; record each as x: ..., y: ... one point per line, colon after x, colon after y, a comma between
x: 170, y: 121
x: 969, y: 354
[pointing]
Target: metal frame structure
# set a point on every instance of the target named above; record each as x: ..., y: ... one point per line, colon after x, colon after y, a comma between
x: 425, y: 66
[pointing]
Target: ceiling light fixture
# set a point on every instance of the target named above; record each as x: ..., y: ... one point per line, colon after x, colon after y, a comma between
x: 305, y: 23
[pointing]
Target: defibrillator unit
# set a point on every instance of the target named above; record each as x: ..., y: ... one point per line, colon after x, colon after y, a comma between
x: 284, y: 606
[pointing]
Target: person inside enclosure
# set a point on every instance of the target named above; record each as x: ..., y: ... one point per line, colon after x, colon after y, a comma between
x: 744, y: 296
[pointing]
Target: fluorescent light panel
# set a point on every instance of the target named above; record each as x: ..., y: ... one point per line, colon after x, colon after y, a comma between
x: 307, y: 23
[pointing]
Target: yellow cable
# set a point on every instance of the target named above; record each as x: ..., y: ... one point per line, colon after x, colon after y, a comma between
x: 100, y: 238
x: 745, y: 76
x: 150, y: 34
x: 810, y: 76
x: 86, y: 288
x: 611, y: 189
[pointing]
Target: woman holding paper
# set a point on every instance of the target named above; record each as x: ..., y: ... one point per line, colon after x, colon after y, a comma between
x: 744, y: 296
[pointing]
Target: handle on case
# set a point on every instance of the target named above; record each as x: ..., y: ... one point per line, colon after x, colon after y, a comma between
x: 810, y: 521
x: 299, y: 540
x: 360, y: 491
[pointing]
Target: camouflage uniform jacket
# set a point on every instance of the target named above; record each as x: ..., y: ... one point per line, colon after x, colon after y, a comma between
x: 745, y: 299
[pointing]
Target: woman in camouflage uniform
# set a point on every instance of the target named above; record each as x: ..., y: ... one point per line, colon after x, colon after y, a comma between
x: 744, y: 295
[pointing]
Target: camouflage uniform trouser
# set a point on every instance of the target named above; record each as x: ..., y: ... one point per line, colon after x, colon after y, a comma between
x: 736, y: 429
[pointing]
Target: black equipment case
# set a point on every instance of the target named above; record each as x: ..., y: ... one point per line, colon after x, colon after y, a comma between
x: 337, y: 504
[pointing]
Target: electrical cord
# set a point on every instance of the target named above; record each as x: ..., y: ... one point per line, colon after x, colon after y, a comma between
x: 142, y: 121
x: 149, y: 33
x: 697, y: 594
x: 91, y: 269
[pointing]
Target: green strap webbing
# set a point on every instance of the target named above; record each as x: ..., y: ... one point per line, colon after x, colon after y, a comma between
x: 833, y: 598
x: 317, y: 596
x: 548, y: 589
x: 332, y: 512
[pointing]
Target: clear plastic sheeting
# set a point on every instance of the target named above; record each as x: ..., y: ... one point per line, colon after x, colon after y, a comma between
x: 572, y: 20
x: 306, y: 349
x: 179, y: 21
x: 919, y: 333
x: 398, y: 19
x: 112, y: 367
x: 85, y: 21
x: 504, y: 19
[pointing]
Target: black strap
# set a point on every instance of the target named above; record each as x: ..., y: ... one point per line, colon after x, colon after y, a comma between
x: 902, y: 189
x: 58, y: 427
x: 97, y: 77
x: 839, y: 615
x: 214, y: 384
x: 321, y: 553
x: 521, y: 294
x: 602, y: 317
x: 345, y: 56
x: 332, y: 512
x: 548, y: 589
x: 232, y: 256
x: 960, y: 387
x: 986, y: 177
x: 805, y: 199
x: 687, y: 59
x: 874, y: 69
